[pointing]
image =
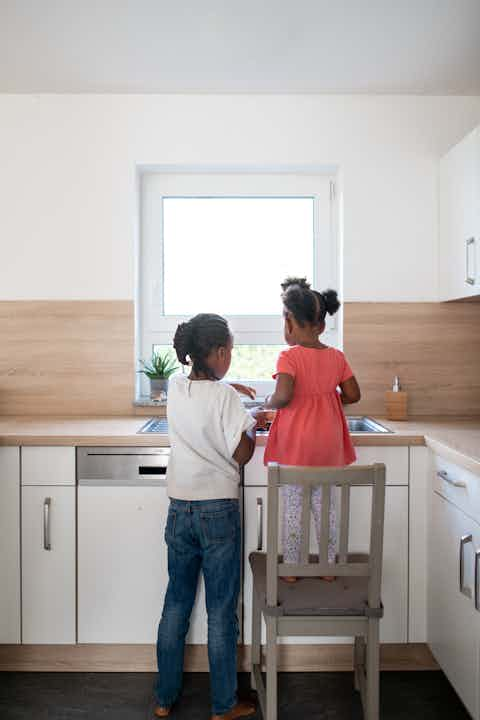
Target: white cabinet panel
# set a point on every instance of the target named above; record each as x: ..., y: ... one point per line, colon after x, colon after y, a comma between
x: 9, y: 545
x: 395, y: 459
x: 419, y: 498
x: 458, y: 485
x: 255, y: 471
x: 48, y: 466
x: 459, y: 202
x: 48, y: 575
x: 453, y: 623
x: 122, y: 566
x: 254, y: 538
x: 393, y: 627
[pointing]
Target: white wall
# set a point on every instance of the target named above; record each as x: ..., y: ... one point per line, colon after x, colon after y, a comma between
x: 67, y: 179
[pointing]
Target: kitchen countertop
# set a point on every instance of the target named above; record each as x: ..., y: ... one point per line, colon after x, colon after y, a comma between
x: 459, y: 439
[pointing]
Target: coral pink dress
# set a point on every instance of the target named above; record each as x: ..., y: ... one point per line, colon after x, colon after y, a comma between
x: 312, y: 429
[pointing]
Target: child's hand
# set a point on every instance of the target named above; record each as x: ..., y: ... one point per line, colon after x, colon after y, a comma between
x: 244, y: 390
x: 261, y: 416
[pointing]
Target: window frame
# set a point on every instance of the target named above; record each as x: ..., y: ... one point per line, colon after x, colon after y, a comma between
x: 155, y: 328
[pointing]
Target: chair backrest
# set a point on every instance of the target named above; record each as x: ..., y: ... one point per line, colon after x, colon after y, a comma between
x: 328, y: 478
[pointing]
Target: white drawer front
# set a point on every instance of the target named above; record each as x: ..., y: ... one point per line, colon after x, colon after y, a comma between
x: 395, y: 459
x: 48, y: 466
x: 458, y: 485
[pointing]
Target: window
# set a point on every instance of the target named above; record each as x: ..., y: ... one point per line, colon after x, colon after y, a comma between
x: 274, y: 235
x: 223, y: 243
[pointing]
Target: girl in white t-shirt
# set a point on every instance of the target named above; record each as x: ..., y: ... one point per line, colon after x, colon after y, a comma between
x: 211, y: 435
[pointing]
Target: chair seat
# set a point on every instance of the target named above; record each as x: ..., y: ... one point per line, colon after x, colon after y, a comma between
x: 344, y: 596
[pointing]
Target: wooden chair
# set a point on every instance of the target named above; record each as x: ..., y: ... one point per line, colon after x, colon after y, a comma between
x: 350, y: 606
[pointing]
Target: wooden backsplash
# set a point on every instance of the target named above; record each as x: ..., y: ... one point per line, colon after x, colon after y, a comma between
x: 66, y: 357
x: 77, y: 357
x: 433, y: 347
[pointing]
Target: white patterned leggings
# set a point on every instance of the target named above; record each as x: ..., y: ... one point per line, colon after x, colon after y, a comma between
x: 292, y: 522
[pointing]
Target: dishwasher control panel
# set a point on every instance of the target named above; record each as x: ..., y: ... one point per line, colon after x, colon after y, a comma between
x: 110, y: 466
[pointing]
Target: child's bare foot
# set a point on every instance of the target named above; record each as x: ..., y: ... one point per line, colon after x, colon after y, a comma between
x: 328, y: 578
x: 289, y: 579
x: 161, y: 712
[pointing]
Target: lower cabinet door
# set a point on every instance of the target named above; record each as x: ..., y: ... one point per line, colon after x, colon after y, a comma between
x: 122, y: 566
x: 393, y: 627
x: 48, y: 565
x: 453, y: 623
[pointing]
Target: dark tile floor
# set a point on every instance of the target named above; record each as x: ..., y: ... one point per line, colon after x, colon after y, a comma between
x: 302, y: 696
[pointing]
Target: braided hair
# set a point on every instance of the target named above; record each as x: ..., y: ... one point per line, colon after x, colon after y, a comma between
x: 194, y: 340
x: 307, y: 305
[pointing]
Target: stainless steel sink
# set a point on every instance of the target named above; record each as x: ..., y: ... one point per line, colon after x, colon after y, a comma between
x: 155, y: 425
x: 365, y: 425
x: 355, y: 425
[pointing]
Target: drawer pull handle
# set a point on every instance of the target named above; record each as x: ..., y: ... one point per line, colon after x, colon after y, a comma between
x: 259, y: 524
x: 464, y: 540
x: 470, y: 253
x: 46, y: 524
x: 443, y: 475
x: 477, y: 580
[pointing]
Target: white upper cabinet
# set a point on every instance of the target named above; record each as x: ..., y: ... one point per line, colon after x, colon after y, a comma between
x: 459, y: 211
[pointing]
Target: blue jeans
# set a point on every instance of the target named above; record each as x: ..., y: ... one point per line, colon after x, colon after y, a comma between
x: 202, y: 535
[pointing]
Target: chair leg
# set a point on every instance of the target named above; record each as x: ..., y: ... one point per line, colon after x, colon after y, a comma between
x: 373, y: 672
x: 256, y: 636
x: 358, y: 660
x: 271, y: 668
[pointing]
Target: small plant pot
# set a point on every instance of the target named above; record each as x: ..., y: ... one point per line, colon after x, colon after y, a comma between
x: 158, y: 389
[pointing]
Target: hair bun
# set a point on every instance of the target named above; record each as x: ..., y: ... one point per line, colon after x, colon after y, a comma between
x: 182, y: 341
x: 332, y: 303
x: 301, y: 282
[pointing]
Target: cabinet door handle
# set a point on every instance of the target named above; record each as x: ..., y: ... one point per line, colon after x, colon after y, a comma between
x: 464, y: 540
x: 259, y: 523
x: 470, y: 249
x: 46, y: 524
x: 477, y: 580
x: 443, y: 475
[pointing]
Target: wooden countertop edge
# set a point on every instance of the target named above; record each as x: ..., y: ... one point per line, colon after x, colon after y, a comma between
x: 455, y: 439
x: 454, y: 455
x: 159, y: 440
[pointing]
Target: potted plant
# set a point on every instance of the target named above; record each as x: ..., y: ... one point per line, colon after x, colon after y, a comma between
x: 158, y: 369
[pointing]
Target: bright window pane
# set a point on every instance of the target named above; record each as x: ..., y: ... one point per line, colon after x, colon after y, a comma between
x: 249, y: 362
x: 254, y: 362
x: 229, y: 255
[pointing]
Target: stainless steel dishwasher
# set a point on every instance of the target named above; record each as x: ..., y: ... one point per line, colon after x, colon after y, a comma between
x: 122, y: 466
x: 122, y: 556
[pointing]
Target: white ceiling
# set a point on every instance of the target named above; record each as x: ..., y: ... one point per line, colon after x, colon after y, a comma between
x: 223, y: 46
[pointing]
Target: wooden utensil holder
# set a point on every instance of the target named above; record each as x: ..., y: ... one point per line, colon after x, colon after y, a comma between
x: 396, y: 403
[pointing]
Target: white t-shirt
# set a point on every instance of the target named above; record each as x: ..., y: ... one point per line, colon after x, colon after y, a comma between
x: 206, y: 420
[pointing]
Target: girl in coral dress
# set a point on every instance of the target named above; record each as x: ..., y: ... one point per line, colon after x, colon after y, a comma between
x: 313, y: 382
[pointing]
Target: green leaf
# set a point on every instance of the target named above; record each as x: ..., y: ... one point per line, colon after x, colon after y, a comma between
x: 159, y: 367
